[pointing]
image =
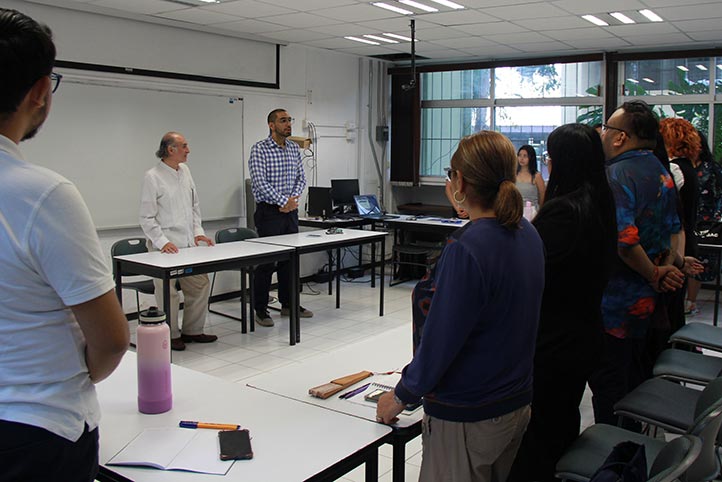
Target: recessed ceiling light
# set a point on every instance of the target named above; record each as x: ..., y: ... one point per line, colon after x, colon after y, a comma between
x: 362, y: 40
x: 418, y: 5
x: 621, y: 17
x: 400, y: 37
x: 382, y: 39
x: 701, y: 67
x: 449, y: 4
x: 392, y: 8
x: 647, y: 79
x: 683, y: 68
x: 651, y: 15
x: 719, y: 66
x: 634, y: 81
x: 595, y: 20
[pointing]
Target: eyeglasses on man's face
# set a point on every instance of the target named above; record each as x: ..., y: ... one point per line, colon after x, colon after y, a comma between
x: 55, y: 78
x: 286, y: 120
x: 606, y: 127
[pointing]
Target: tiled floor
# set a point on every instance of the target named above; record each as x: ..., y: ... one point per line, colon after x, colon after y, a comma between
x: 238, y: 357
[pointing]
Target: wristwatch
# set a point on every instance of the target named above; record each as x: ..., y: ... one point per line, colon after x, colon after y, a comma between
x: 398, y: 401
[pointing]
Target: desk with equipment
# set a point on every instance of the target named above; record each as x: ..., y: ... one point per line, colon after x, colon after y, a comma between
x: 334, y: 238
x: 383, y: 355
x: 206, y: 259
x: 291, y: 441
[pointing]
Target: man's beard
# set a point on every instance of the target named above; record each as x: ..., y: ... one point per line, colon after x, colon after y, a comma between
x: 43, y: 114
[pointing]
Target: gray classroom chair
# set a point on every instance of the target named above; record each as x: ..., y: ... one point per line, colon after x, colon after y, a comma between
x: 687, y: 366
x: 132, y: 246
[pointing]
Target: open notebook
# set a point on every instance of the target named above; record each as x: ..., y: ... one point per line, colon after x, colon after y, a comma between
x: 175, y: 449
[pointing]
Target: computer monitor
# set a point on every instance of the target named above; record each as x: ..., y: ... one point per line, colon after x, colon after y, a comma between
x: 343, y: 191
x: 319, y: 202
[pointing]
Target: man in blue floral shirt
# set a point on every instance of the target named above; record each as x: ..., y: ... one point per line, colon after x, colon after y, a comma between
x: 645, y: 199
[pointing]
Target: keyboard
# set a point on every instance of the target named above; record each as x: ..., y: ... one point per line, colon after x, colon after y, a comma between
x: 381, y: 217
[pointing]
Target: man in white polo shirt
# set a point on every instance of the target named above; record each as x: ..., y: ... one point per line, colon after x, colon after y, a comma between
x: 61, y: 326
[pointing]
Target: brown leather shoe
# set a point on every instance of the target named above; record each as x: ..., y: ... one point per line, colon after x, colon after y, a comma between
x: 202, y: 338
x: 177, y: 344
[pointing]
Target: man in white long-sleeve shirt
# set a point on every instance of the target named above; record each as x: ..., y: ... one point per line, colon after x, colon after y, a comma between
x: 170, y: 216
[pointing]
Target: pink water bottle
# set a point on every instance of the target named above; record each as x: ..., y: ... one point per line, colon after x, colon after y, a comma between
x: 153, y: 349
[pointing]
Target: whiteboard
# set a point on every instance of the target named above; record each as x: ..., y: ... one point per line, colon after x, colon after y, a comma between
x: 103, y: 138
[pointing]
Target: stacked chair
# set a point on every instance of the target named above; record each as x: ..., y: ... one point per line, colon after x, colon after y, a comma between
x: 226, y: 236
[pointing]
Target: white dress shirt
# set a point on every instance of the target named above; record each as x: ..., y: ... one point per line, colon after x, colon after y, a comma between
x: 169, y: 207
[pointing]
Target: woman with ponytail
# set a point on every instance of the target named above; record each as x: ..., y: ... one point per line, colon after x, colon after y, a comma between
x: 473, y: 366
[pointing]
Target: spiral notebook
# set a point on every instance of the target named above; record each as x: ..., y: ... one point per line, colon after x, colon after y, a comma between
x: 378, y: 390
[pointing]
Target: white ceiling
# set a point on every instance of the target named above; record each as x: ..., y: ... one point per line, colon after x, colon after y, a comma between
x: 485, y: 30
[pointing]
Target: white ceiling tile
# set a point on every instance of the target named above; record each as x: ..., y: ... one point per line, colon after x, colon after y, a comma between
x: 459, y: 17
x: 300, y: 20
x: 547, y: 47
x: 554, y: 23
x: 690, y: 12
x: 521, y: 37
x: 366, y: 50
x: 691, y: 26
x: 445, y: 54
x: 530, y: 10
x: 495, y: 3
x: 393, y: 25
x: 331, y: 43
x: 296, y: 35
x: 604, y: 44
x: 582, y: 7
x: 642, y: 29
x: 250, y: 26
x: 493, y: 51
x: 671, y: 3
x: 438, y: 33
x: 248, y: 9
x: 577, y: 33
x: 358, y: 13
x: 196, y: 15
x: 492, y: 28
x: 465, y: 42
x: 140, y: 6
x: 707, y: 36
x: 341, y: 30
x: 660, y: 40
x: 308, y: 5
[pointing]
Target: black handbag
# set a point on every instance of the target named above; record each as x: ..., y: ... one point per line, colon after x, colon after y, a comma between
x: 626, y: 463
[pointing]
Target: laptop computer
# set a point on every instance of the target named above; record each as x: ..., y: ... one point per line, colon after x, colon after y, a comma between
x: 368, y: 207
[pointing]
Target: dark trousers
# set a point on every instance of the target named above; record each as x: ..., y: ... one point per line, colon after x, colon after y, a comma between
x: 271, y: 222
x: 619, y: 372
x: 555, y: 419
x: 29, y: 453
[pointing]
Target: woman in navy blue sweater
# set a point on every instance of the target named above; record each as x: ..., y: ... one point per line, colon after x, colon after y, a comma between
x: 473, y: 366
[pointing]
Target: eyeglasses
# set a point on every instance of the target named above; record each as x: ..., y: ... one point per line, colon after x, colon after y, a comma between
x: 448, y: 171
x: 55, y: 78
x: 606, y: 127
x: 286, y: 120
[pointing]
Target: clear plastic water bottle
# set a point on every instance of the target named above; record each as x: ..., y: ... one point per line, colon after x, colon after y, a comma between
x: 155, y: 393
x: 529, y: 210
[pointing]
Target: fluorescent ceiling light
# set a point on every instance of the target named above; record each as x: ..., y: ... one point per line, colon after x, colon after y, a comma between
x: 595, y: 20
x: 392, y: 8
x: 701, y: 67
x: 651, y: 15
x: 647, y: 79
x: 382, y: 39
x: 400, y: 37
x: 634, y: 81
x: 683, y: 68
x: 362, y: 40
x: 621, y: 17
x: 449, y: 4
x: 418, y: 5
x: 719, y: 66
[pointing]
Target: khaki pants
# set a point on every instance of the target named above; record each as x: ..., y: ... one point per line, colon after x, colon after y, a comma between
x: 475, y: 451
x: 196, y: 290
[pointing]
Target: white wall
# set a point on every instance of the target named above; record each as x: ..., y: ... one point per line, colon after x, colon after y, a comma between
x: 320, y: 86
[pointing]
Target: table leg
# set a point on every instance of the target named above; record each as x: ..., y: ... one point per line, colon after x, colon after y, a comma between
x: 244, y: 313
x: 330, y: 270
x: 252, y: 307
x: 398, y: 467
x: 294, y: 315
x: 166, y: 299
x: 373, y: 265
x: 381, y: 284
x: 338, y: 278
x: 118, y: 282
x: 372, y: 466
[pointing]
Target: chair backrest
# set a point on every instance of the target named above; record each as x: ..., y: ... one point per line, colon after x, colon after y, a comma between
x: 128, y: 246
x: 706, y: 426
x: 234, y: 234
x: 675, y: 459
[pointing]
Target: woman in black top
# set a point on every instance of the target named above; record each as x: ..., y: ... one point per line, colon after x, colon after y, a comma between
x: 577, y: 225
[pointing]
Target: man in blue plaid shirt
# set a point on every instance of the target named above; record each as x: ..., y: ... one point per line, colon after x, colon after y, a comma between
x: 277, y: 181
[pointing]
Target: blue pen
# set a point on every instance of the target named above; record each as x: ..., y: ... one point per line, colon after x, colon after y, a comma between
x: 354, y: 392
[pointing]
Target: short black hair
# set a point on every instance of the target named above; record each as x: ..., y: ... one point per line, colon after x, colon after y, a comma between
x: 640, y: 121
x: 272, y: 114
x: 27, y: 53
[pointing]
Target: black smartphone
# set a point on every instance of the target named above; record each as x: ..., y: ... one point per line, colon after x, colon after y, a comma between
x: 235, y: 444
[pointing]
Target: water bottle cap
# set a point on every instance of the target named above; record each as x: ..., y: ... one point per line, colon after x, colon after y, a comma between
x: 151, y: 316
